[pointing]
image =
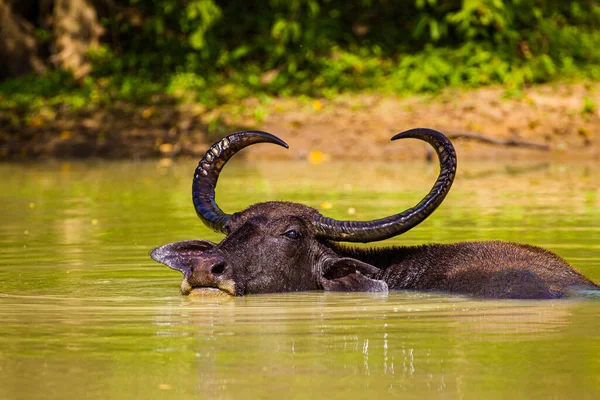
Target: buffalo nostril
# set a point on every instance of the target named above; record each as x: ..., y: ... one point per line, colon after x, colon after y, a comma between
x: 218, y: 269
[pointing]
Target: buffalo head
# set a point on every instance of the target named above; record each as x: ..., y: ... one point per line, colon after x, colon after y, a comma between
x: 282, y: 246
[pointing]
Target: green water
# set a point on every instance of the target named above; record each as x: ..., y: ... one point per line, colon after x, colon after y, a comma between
x: 84, y: 312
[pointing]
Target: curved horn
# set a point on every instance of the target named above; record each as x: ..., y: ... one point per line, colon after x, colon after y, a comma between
x: 371, y: 231
x: 207, y: 173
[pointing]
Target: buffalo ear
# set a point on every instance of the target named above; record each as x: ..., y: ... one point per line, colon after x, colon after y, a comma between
x: 180, y: 255
x: 349, y: 275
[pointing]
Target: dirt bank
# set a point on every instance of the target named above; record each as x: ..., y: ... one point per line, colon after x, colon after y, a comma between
x: 564, y: 117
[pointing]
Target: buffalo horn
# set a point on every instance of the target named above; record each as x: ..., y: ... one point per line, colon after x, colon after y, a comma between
x: 207, y: 173
x: 371, y: 231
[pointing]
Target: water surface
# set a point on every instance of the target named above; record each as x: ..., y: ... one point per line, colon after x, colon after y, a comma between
x: 86, y: 314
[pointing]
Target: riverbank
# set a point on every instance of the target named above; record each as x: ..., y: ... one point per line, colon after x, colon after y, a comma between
x: 563, y: 117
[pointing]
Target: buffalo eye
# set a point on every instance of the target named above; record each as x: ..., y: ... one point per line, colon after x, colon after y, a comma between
x: 292, y: 234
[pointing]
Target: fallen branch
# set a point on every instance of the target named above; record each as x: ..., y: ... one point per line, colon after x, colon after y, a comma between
x: 499, y: 142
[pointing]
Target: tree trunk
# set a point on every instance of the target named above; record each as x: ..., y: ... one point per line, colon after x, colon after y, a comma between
x: 19, y: 47
x: 75, y: 29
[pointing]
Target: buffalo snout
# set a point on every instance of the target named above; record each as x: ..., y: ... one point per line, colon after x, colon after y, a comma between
x: 202, y: 268
x: 208, y: 270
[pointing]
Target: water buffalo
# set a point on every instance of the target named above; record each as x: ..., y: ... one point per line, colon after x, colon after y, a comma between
x: 288, y: 247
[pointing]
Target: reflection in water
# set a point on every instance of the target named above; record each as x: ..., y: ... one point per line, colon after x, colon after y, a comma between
x: 86, y: 313
x: 507, y: 170
x: 403, y: 341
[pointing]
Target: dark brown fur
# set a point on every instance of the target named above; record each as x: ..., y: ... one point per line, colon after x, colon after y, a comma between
x: 261, y: 255
x: 483, y: 269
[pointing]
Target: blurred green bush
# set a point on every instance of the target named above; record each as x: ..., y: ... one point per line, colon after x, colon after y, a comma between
x: 221, y: 51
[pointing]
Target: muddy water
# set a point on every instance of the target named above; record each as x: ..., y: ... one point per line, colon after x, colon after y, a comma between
x: 84, y: 313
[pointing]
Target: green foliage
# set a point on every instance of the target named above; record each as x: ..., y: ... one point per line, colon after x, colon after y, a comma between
x: 215, y: 51
x: 589, y: 106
